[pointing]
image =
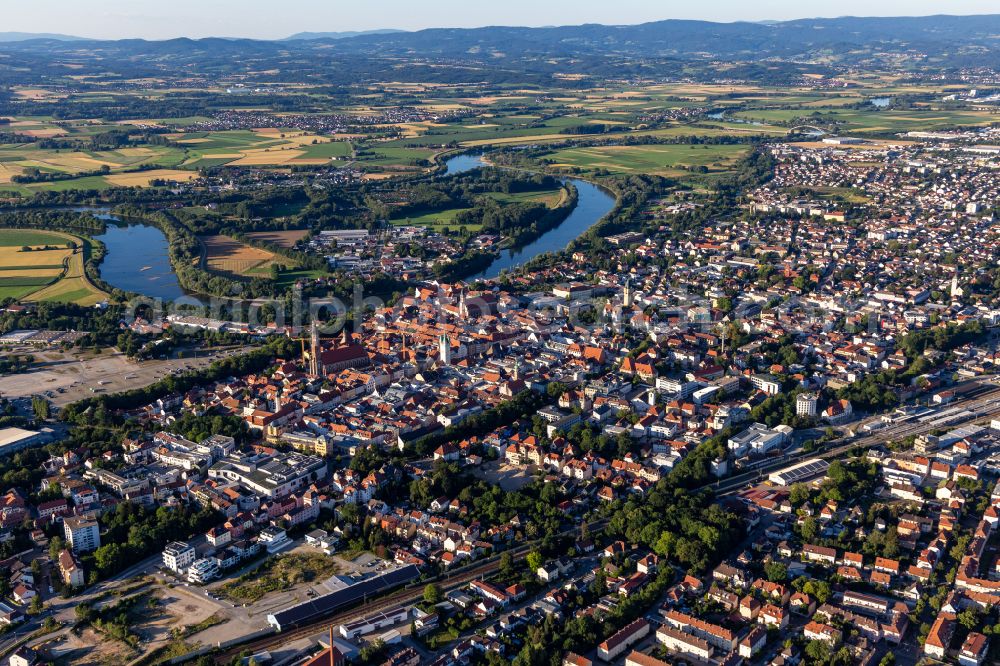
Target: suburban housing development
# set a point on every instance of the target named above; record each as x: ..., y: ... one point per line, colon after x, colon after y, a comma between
x: 672, y: 343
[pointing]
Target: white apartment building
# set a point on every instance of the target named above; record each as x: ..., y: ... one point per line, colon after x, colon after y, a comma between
x: 82, y: 534
x: 178, y: 556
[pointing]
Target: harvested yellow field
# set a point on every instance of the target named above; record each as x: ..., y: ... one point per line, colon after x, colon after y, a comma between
x: 227, y: 255
x: 411, y: 130
x: 86, y: 162
x: 193, y: 141
x: 72, y: 162
x: 227, y: 156
x: 7, y: 172
x: 35, y: 93
x: 268, y: 131
x: 46, y: 133
x: 30, y: 272
x: 266, y: 157
x: 306, y: 139
x: 13, y: 257
x: 293, y: 137
x: 487, y: 100
x: 143, y: 178
x: 309, y: 160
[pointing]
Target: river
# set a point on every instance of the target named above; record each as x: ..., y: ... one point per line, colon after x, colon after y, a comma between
x: 593, y: 203
x: 137, y: 260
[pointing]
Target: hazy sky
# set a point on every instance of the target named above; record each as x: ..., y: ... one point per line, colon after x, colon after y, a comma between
x: 269, y: 19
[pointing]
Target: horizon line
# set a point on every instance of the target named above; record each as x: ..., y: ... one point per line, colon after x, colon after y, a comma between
x: 29, y: 35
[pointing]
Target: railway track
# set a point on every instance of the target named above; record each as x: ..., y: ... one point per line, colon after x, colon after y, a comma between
x: 411, y: 594
x: 985, y: 406
x: 408, y: 595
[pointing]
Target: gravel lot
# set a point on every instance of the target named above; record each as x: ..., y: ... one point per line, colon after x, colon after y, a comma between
x: 77, y: 373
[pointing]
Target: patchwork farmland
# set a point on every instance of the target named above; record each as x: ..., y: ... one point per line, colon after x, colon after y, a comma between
x: 261, y: 147
x: 45, y: 266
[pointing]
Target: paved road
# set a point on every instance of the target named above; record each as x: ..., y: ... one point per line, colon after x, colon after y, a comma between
x: 65, y: 609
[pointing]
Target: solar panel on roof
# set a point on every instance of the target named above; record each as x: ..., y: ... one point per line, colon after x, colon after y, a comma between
x: 332, y: 602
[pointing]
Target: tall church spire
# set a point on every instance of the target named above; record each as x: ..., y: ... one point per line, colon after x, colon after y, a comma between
x: 314, y: 350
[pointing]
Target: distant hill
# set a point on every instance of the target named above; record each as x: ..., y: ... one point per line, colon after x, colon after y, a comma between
x: 696, y: 39
x: 338, y: 35
x: 25, y: 36
x: 777, y: 52
x: 956, y: 39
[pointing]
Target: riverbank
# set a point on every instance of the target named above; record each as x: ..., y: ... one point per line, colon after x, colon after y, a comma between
x: 134, y: 250
x: 593, y: 203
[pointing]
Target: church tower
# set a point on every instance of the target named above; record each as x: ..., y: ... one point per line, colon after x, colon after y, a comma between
x: 628, y: 298
x: 444, y: 349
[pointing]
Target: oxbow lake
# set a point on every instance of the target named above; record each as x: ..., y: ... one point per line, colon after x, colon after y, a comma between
x: 137, y: 260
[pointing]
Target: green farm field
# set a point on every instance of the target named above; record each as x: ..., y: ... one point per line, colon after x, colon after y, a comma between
x: 550, y: 198
x: 653, y: 159
x: 40, y: 266
x: 436, y: 220
x: 874, y: 120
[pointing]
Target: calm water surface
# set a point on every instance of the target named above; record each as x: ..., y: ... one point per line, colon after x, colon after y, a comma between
x: 593, y: 203
x: 136, y: 260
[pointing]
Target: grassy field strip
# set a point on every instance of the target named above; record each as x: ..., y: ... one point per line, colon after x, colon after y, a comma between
x: 49, y: 270
x: 662, y: 159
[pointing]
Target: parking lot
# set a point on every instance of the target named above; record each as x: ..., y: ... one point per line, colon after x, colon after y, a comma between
x: 65, y: 377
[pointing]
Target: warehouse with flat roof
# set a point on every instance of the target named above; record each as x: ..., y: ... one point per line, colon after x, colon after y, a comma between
x: 13, y: 440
